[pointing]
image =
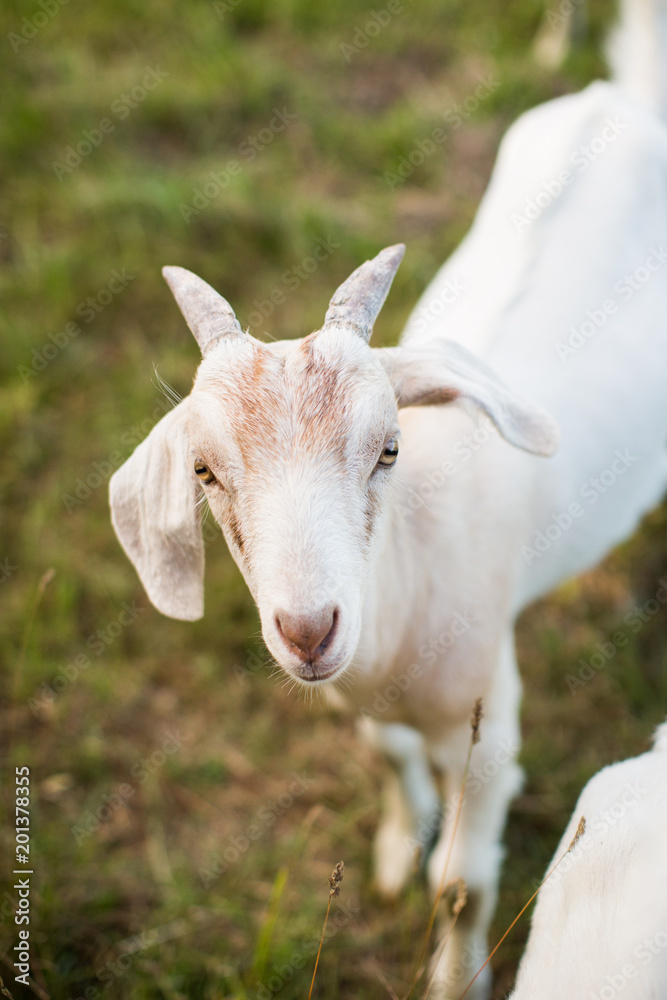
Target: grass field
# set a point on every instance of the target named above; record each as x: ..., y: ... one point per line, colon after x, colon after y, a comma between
x: 234, y: 137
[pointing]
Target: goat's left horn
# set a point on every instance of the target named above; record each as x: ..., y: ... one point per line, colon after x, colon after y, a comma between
x: 358, y: 301
x: 209, y: 316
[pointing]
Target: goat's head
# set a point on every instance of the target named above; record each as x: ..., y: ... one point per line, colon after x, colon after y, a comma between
x: 292, y: 444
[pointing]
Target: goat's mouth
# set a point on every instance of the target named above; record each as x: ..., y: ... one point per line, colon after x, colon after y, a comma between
x: 317, y: 673
x: 321, y: 670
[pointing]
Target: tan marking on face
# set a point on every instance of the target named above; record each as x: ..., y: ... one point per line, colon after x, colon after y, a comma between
x: 234, y: 530
x: 371, y: 512
x: 288, y: 405
x: 259, y: 408
x: 320, y: 403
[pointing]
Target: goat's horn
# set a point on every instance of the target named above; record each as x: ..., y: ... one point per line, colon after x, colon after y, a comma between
x: 359, y: 299
x: 209, y: 316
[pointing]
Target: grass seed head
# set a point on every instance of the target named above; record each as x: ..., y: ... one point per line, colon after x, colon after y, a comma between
x: 477, y: 715
x: 336, y: 878
x: 461, y: 896
x: 579, y: 834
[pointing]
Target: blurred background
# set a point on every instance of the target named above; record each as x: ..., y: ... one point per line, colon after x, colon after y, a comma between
x: 186, y: 809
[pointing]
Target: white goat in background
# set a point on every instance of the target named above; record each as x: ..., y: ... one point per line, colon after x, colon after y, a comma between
x: 599, y: 930
x: 399, y: 580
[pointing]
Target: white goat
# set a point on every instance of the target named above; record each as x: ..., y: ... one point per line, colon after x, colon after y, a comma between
x: 400, y: 581
x: 599, y: 930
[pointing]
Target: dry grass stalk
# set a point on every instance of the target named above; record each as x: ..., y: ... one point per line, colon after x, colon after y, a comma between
x: 4, y: 991
x: 580, y: 832
x: 459, y: 903
x: 335, y: 880
x: 387, y: 985
x: 475, y: 720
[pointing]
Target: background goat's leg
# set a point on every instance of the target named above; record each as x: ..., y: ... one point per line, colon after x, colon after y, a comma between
x: 476, y: 853
x: 410, y: 807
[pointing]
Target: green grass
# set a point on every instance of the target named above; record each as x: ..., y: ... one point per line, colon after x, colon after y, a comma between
x: 124, y: 911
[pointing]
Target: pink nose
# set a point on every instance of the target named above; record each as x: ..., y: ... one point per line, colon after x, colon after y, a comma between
x: 308, y: 635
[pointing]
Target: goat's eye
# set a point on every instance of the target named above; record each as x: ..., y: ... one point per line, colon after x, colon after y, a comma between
x: 202, y: 470
x: 390, y: 453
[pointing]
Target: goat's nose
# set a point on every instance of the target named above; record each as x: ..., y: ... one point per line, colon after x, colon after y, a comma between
x: 308, y: 634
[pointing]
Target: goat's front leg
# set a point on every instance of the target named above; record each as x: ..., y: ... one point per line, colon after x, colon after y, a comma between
x: 411, y: 805
x: 476, y: 851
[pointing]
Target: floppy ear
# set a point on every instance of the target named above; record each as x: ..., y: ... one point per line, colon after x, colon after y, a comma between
x: 153, y: 510
x: 445, y: 371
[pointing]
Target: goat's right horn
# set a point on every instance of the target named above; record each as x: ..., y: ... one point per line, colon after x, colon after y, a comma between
x: 359, y: 299
x: 209, y: 316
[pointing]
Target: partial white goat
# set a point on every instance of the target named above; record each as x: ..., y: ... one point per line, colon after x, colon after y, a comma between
x: 399, y: 580
x: 599, y: 930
